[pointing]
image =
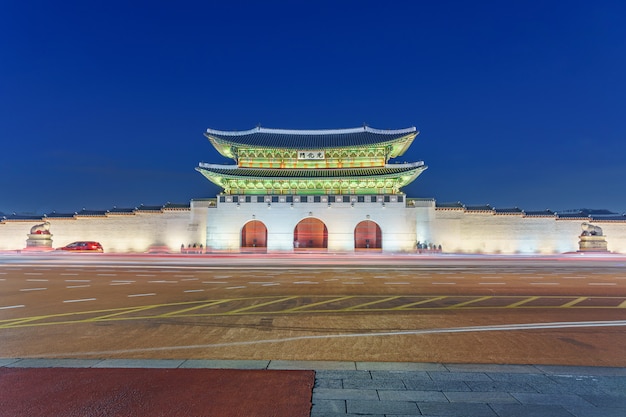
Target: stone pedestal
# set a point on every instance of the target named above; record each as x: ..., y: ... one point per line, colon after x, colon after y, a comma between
x: 37, y: 241
x: 592, y: 243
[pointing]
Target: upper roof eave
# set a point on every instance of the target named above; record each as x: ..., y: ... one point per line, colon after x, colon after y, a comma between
x: 226, y: 141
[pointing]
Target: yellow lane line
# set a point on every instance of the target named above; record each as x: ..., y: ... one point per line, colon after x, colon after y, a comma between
x: 524, y: 301
x: 622, y: 304
x: 574, y: 302
x: 119, y: 313
x: 419, y: 302
x: 203, y: 305
x: 475, y: 300
x: 319, y: 303
x: 252, y: 307
x: 370, y: 303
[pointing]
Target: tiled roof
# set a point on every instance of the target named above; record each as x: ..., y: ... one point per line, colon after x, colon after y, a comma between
x: 22, y: 217
x: 514, y: 210
x: 118, y: 210
x: 149, y: 208
x: 485, y: 207
x: 235, y: 172
x: 541, y: 213
x: 457, y: 204
x: 92, y: 213
x: 55, y: 215
x: 172, y: 206
x: 309, y: 139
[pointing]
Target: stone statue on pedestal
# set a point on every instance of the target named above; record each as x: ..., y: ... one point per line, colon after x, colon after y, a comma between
x: 592, y: 239
x: 39, y: 237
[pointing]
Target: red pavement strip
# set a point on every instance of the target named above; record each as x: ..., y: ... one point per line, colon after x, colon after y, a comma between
x: 91, y: 392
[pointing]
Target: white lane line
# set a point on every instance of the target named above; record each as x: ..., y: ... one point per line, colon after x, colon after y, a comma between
x: 79, y: 286
x: 396, y: 283
x: 189, y: 279
x: 193, y: 291
x: 33, y: 273
x: 215, y: 282
x: 77, y: 280
x: 602, y: 283
x: 145, y: 275
x: 261, y: 282
x: 68, y: 274
x: 9, y: 307
x: 544, y: 283
x: 235, y: 288
x: 106, y: 275
x: 184, y: 276
x: 313, y: 282
x: 37, y: 280
x: 494, y: 328
x: 142, y: 295
x: 492, y: 283
x: 162, y: 282
x: 79, y: 300
x: 3, y: 273
x: 443, y: 283
x: 269, y: 284
x: 33, y: 289
x: 352, y: 283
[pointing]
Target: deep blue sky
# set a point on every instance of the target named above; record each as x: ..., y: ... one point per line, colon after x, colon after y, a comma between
x: 519, y: 103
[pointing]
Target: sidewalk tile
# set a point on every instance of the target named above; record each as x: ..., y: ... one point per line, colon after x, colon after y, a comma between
x: 456, y: 409
x: 418, y: 385
x: 486, y: 368
x: 360, y: 383
x: 612, y: 401
x: 596, y: 411
x: 459, y: 376
x: 417, y: 396
x: 519, y: 410
x: 8, y: 361
x: 400, y: 375
x: 344, y: 394
x: 382, y: 407
x: 551, y: 399
x: 55, y: 363
x: 480, y: 397
x: 328, y: 406
x: 298, y: 365
x: 502, y: 386
x: 341, y: 374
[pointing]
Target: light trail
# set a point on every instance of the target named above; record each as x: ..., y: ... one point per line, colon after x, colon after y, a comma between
x: 470, y: 329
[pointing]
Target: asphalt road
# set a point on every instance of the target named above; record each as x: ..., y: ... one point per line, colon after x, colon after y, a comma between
x: 567, y: 310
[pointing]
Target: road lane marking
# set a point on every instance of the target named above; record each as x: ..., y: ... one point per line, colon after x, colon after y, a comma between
x: 574, y: 302
x: 36, y: 280
x: 198, y: 307
x: 68, y: 274
x: 255, y: 306
x: 544, y: 283
x: 106, y: 275
x: 193, y: 291
x: 33, y: 273
x: 443, y: 283
x: 145, y: 275
x: 162, y: 282
x: 10, y: 307
x: 319, y: 303
x: 142, y: 295
x: 33, y: 289
x: 397, y: 283
x: 524, y: 301
x: 270, y: 284
x: 236, y: 288
x: 79, y: 300
x: 465, y: 303
x: 79, y: 286
x: 305, y: 282
x: 77, y: 280
x: 492, y: 283
x: 602, y: 283
x: 358, y: 306
x: 402, y: 307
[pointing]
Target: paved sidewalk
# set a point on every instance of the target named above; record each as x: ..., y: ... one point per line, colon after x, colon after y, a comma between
x: 377, y: 389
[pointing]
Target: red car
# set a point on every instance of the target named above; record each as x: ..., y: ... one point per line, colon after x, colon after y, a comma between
x: 83, y: 247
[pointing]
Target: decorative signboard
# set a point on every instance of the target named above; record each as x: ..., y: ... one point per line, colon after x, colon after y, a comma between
x: 311, y: 155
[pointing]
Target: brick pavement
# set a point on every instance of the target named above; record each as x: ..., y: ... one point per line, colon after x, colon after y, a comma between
x: 375, y: 389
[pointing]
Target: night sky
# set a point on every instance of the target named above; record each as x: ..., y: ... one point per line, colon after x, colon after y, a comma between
x: 519, y: 103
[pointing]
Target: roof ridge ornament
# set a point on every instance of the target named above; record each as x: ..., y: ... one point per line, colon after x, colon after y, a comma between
x: 259, y: 129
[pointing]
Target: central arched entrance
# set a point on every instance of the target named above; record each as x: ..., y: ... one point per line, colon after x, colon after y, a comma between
x: 367, y: 235
x: 309, y: 234
x: 254, y: 236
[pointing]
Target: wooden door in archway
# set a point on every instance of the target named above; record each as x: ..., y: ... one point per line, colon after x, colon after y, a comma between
x: 367, y: 235
x: 310, y: 233
x: 254, y: 235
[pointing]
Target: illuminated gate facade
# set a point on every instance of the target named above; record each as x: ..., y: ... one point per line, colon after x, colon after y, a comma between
x: 310, y: 234
x: 367, y: 235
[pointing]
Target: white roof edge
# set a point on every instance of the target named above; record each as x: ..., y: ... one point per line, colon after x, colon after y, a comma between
x: 218, y: 166
x: 311, y: 132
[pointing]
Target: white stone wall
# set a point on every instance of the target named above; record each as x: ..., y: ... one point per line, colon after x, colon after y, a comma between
x: 226, y: 221
x: 135, y: 232
x: 218, y: 227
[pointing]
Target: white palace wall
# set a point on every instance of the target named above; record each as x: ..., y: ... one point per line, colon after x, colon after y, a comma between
x: 217, y: 226
x: 117, y: 232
